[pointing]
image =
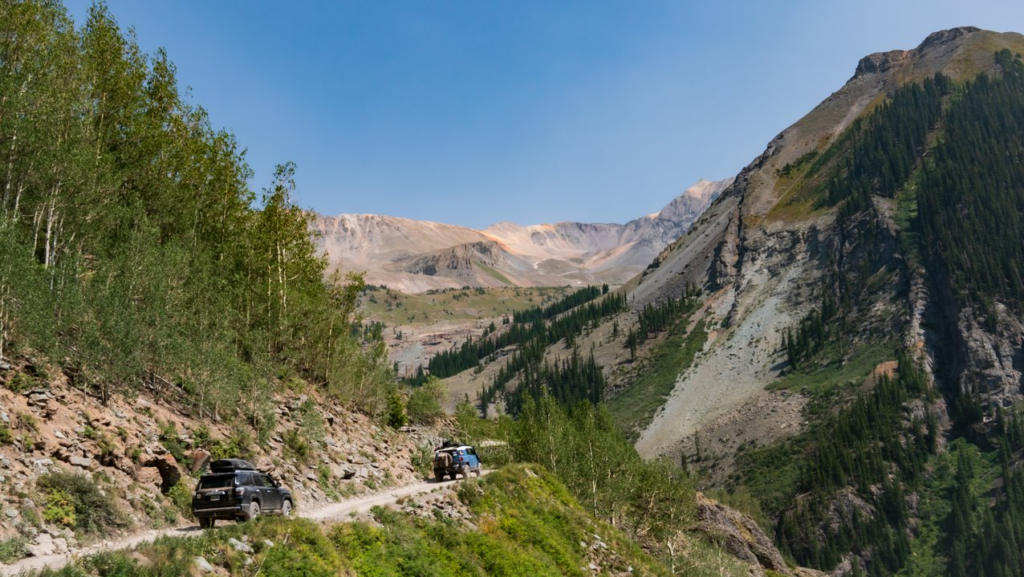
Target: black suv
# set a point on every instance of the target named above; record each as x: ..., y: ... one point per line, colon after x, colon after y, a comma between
x: 234, y: 489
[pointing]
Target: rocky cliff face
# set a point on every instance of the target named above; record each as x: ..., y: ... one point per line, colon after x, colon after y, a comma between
x: 414, y: 256
x: 764, y: 250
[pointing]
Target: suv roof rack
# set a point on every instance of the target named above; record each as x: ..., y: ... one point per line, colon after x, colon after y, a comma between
x: 231, y: 465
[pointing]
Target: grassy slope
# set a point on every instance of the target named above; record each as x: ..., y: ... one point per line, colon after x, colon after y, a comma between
x: 635, y: 406
x: 396, y: 309
x: 524, y: 523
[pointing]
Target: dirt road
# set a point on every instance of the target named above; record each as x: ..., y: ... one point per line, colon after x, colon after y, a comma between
x: 335, y: 512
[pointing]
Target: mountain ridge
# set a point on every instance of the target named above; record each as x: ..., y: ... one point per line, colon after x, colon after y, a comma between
x: 550, y: 254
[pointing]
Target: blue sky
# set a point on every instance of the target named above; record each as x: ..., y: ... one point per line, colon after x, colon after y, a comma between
x: 472, y: 111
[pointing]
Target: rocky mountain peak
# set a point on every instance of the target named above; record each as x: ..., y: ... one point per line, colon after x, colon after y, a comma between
x: 946, y: 36
x: 694, y: 200
x: 879, y: 62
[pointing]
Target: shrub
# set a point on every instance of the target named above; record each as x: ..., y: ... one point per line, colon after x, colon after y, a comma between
x: 238, y: 446
x: 202, y: 438
x: 171, y: 441
x: 13, y: 549
x: 181, y: 495
x: 311, y: 423
x: 60, y: 509
x: 6, y: 436
x: 295, y: 445
x: 28, y: 422
x: 424, y: 406
x: 20, y: 383
x: 394, y: 415
x: 106, y: 446
x: 423, y: 460
x: 76, y: 501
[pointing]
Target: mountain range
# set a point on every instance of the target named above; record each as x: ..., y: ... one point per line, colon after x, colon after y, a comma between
x: 416, y: 256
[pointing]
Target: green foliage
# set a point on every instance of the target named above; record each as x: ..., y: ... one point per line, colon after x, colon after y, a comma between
x: 882, y: 150
x: 424, y: 405
x: 423, y: 460
x: 576, y: 378
x: 861, y: 448
x: 831, y: 376
x: 181, y: 496
x: 295, y: 445
x: 20, y: 383
x: 13, y: 549
x: 533, y: 335
x: 76, y: 501
x: 526, y: 524
x: 569, y: 380
x: 59, y: 509
x: 659, y: 317
x: 565, y: 304
x: 311, y: 424
x: 172, y: 442
x: 28, y: 422
x: 971, y: 192
x: 238, y: 446
x: 131, y: 246
x: 584, y: 449
x: 635, y: 406
x: 6, y: 436
x: 395, y: 416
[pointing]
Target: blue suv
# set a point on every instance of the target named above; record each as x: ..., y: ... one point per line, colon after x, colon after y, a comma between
x: 456, y: 460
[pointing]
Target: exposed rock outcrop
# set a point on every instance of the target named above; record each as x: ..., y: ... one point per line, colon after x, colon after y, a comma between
x: 743, y: 538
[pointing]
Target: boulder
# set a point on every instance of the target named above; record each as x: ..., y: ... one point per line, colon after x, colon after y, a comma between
x: 200, y: 459
x: 43, y: 546
x: 343, y: 471
x: 83, y: 462
x: 239, y: 546
x: 203, y: 565
x: 167, y: 467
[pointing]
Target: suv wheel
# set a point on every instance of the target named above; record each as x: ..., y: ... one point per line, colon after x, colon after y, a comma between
x: 254, y: 511
x: 206, y: 522
x: 286, y: 509
x: 439, y: 476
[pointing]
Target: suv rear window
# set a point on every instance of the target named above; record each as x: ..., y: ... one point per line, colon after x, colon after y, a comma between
x: 216, y: 482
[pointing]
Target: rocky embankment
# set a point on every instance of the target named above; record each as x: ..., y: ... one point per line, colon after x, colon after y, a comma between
x: 145, y: 454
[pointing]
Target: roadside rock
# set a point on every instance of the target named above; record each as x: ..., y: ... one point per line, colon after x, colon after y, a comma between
x: 199, y: 459
x: 203, y: 565
x: 239, y: 546
x: 42, y: 547
x: 168, y: 468
x: 343, y: 471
